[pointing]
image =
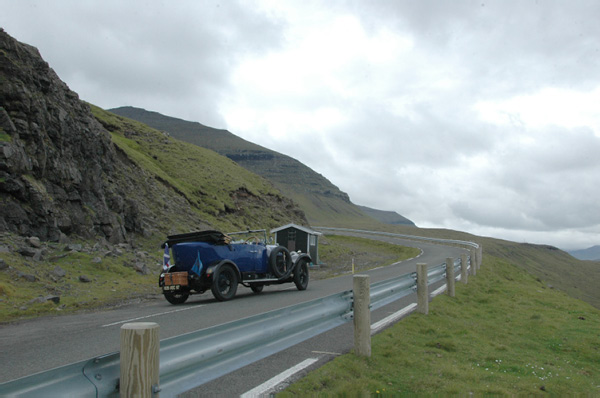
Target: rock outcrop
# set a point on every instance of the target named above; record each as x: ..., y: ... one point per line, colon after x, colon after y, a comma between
x: 56, y: 160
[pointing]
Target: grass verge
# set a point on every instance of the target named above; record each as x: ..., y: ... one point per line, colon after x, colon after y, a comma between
x: 505, y: 333
x: 77, y: 280
x: 338, y: 252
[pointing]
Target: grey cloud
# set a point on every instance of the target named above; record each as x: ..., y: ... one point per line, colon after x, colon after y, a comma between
x: 178, y: 54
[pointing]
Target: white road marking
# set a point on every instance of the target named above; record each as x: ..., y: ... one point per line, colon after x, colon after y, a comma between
x: 377, y: 326
x: 335, y: 354
x: 152, y: 315
x: 439, y: 291
x: 280, y: 378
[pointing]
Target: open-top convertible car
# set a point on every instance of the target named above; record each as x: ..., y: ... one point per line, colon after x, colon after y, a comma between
x: 219, y: 262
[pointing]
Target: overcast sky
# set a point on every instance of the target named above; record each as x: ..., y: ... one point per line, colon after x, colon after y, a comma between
x: 481, y: 116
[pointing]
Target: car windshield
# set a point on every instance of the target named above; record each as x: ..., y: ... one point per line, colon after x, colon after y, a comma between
x: 250, y: 236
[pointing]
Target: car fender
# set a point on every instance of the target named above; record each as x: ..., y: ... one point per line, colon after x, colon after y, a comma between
x: 214, y: 267
x: 301, y: 256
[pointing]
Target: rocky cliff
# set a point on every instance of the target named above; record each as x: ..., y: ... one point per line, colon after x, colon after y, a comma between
x: 56, y: 160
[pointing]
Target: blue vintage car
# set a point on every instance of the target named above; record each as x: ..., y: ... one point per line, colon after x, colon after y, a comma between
x: 219, y: 262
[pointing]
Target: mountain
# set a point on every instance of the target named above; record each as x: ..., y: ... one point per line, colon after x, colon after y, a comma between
x: 591, y: 253
x: 67, y: 171
x: 322, y: 202
x: 387, y: 217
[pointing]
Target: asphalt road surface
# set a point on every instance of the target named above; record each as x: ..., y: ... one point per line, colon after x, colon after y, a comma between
x: 44, y: 343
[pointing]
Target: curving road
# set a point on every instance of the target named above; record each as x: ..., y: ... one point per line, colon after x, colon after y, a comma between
x: 40, y: 344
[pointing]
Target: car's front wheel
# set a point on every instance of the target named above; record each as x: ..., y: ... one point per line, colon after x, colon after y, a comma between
x: 301, y: 275
x: 225, y: 281
x: 176, y: 297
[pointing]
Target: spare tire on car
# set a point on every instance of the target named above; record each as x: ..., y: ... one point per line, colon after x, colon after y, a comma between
x: 280, y: 261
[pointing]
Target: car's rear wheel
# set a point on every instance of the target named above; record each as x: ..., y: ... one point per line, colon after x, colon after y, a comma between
x: 176, y: 297
x: 257, y: 288
x: 225, y: 281
x: 301, y: 275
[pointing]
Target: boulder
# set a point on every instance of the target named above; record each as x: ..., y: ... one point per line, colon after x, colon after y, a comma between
x: 74, y: 247
x: 140, y: 267
x: 53, y: 298
x: 28, y: 277
x: 34, y: 241
x: 59, y: 272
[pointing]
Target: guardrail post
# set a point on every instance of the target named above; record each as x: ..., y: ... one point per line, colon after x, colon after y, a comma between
x: 464, y: 271
x: 473, y: 263
x: 140, y: 346
x: 362, y: 315
x: 422, y: 289
x: 479, y: 256
x: 450, y: 276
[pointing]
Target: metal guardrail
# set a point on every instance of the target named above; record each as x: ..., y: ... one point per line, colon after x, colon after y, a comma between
x: 388, y: 291
x: 410, y: 237
x: 192, y: 359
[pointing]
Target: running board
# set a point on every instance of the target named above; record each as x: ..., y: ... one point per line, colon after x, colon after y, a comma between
x: 261, y: 281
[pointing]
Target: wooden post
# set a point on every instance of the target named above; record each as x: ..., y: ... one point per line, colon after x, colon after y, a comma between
x: 464, y: 272
x: 422, y: 289
x: 140, y: 344
x: 362, y: 315
x: 473, y: 263
x: 450, y: 276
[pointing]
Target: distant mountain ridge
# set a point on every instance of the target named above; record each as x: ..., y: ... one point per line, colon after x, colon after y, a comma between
x: 387, y: 217
x: 322, y: 201
x: 591, y: 253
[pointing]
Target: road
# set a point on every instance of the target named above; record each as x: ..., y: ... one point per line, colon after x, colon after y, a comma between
x: 44, y: 343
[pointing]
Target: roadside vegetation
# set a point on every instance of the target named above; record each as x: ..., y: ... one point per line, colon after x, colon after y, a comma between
x: 505, y: 333
x: 337, y: 254
x: 72, y: 277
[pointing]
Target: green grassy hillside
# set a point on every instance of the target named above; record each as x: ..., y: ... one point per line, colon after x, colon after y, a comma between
x: 322, y: 202
x: 506, y: 333
x: 224, y: 194
x: 556, y: 268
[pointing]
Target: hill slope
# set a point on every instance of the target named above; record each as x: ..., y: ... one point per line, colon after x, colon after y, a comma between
x: 323, y: 202
x: 556, y: 268
x: 63, y: 173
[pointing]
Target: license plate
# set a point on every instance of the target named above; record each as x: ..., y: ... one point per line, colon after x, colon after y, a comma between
x: 172, y: 287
